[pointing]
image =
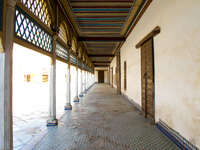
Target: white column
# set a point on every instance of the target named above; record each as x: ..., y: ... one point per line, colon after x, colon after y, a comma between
x: 52, y: 121
x: 6, y: 121
x: 76, y: 99
x: 85, y: 83
x: 109, y: 75
x: 68, y: 105
x: 81, y: 94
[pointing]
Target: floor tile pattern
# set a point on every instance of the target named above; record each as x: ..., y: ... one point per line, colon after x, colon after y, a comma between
x: 103, y: 120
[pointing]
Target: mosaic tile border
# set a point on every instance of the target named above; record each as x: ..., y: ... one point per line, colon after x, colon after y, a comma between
x: 174, y: 136
x: 178, y: 139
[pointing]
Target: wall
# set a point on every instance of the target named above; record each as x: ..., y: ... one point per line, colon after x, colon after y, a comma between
x: 113, y: 65
x: 177, y: 64
x: 105, y: 76
x: 96, y: 75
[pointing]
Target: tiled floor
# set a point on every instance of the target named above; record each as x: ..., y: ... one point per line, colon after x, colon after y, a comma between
x: 104, y: 121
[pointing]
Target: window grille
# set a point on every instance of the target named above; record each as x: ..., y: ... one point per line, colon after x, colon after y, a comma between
x: 79, y: 63
x: 27, y: 29
x: 61, y: 51
x: 39, y: 9
x: 73, y: 59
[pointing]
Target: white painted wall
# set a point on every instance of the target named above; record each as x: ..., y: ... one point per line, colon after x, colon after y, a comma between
x: 113, y: 65
x: 105, y: 76
x: 96, y: 75
x: 177, y: 64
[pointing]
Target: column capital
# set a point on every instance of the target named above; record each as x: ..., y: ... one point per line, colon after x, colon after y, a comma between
x: 55, y: 36
x: 11, y: 3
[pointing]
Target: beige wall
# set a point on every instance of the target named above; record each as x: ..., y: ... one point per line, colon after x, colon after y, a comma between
x: 113, y: 64
x: 105, y: 76
x: 177, y: 64
x: 96, y: 76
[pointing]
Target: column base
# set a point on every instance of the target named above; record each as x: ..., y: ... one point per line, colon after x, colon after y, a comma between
x: 68, y: 107
x: 76, y: 99
x: 81, y: 94
x: 52, y: 122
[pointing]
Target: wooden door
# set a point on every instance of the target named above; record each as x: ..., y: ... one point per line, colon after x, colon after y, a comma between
x: 147, y: 73
x: 101, y: 76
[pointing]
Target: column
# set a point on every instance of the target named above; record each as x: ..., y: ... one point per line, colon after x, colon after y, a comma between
x: 68, y: 105
x: 86, y: 81
x: 76, y: 99
x: 85, y: 88
x: 81, y: 94
x: 52, y: 121
x: 6, y: 52
x: 109, y: 75
x: 118, y: 63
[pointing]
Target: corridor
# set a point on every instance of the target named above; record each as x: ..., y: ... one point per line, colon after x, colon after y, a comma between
x: 104, y: 121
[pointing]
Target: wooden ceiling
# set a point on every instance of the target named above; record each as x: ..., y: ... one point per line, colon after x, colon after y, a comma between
x: 102, y: 25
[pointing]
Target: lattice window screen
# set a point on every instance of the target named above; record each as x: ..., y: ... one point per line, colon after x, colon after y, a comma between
x: 73, y: 59
x: 79, y: 63
x: 27, y: 29
x: 61, y: 51
x: 39, y: 9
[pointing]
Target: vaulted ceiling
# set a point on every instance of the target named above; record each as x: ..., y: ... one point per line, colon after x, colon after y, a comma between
x: 102, y: 25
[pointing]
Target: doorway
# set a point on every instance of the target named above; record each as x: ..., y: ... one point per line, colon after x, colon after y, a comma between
x: 100, y: 76
x: 147, y: 77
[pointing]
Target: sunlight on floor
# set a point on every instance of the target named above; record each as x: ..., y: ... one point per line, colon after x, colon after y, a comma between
x: 31, y: 93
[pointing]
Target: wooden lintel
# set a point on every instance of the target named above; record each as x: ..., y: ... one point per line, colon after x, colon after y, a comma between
x: 99, y: 62
x: 102, y: 55
x: 104, y: 39
x: 101, y: 65
x: 153, y: 33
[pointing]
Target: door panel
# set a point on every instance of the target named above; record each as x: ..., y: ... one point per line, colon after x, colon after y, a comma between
x: 147, y: 73
x: 101, y: 76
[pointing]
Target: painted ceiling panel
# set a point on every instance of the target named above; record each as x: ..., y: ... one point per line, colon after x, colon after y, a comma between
x: 103, y: 18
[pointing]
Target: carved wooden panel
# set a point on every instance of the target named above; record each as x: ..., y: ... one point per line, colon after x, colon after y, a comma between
x: 147, y: 73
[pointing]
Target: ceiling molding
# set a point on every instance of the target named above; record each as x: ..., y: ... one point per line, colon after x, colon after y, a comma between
x: 99, y: 62
x: 101, y: 55
x: 105, y: 39
x: 101, y: 65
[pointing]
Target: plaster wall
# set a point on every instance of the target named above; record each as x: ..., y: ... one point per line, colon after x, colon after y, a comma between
x: 177, y: 64
x: 105, y: 76
x: 113, y: 65
x: 96, y: 76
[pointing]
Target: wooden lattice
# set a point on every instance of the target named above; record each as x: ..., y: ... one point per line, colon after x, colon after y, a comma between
x: 61, y: 51
x: 27, y: 29
x: 39, y: 9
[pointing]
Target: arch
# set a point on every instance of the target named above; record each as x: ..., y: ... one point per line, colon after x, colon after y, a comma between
x: 74, y: 44
x: 63, y: 33
x: 79, y: 51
